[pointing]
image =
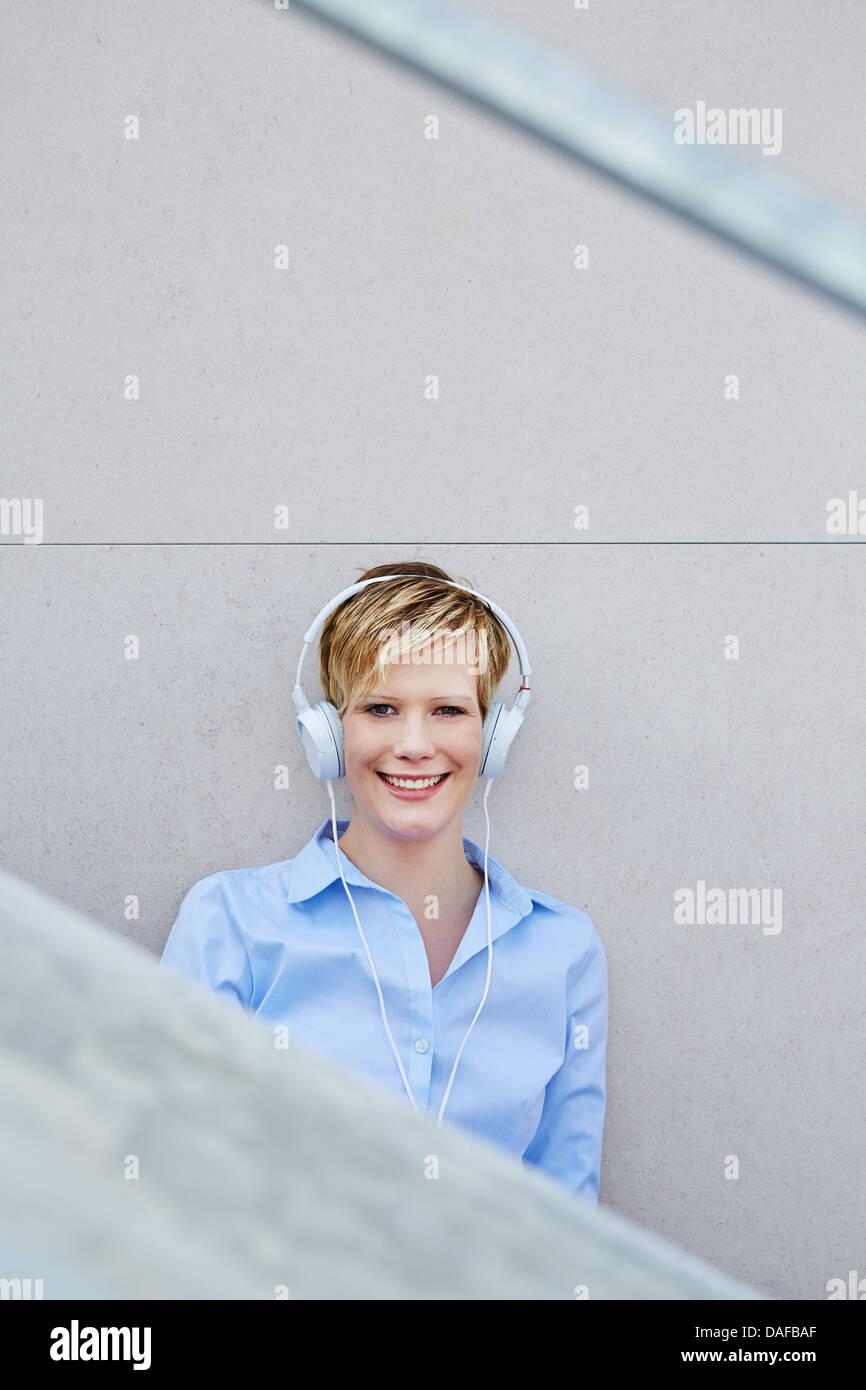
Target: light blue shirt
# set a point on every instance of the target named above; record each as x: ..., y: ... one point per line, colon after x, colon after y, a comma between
x: 281, y: 942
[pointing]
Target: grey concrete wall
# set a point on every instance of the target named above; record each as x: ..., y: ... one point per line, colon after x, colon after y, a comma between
x: 733, y: 1049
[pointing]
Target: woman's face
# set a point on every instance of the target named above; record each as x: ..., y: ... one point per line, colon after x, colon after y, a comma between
x: 420, y: 721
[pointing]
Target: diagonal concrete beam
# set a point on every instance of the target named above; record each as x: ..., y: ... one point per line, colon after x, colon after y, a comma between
x: 503, y: 67
x: 260, y: 1173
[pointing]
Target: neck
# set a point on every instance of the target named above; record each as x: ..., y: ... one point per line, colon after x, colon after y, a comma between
x: 413, y: 869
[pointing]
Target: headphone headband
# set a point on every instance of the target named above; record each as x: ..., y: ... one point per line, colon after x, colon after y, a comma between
x: 521, y: 700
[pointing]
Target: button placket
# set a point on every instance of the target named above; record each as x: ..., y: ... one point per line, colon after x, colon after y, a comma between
x: 420, y: 1060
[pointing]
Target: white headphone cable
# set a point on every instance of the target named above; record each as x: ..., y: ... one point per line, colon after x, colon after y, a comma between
x: 489, y: 783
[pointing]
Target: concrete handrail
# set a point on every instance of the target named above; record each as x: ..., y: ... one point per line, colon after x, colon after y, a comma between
x: 261, y: 1173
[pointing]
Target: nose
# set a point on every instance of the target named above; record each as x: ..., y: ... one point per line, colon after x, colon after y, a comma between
x: 413, y: 739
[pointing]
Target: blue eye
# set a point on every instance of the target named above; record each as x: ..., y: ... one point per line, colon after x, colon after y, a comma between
x: 370, y: 709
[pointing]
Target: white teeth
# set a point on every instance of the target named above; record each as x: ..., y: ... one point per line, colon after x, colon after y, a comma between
x: 417, y: 785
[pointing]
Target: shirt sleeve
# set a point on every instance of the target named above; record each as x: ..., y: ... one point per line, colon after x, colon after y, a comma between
x: 567, y: 1143
x: 205, y: 943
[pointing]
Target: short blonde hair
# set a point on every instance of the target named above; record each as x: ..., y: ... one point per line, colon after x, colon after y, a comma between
x: 352, y: 652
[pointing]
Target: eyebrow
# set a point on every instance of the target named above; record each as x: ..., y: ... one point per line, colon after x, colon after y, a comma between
x: 393, y: 700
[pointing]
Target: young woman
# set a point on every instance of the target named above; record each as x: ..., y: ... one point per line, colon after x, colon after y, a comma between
x: 410, y: 665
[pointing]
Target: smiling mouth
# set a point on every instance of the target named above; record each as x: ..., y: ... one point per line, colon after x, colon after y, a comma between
x: 413, y: 784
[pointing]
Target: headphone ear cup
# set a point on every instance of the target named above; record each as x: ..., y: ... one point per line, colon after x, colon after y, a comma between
x: 500, y: 728
x: 494, y: 714
x: 335, y: 724
x: 321, y: 731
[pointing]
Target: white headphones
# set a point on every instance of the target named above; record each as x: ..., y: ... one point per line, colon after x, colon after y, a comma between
x: 321, y: 731
x: 321, y: 728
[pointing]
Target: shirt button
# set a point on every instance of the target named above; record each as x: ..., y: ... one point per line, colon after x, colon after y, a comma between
x: 421, y: 1045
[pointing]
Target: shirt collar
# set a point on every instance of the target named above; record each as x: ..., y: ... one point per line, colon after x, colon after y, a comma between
x: 315, y: 867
